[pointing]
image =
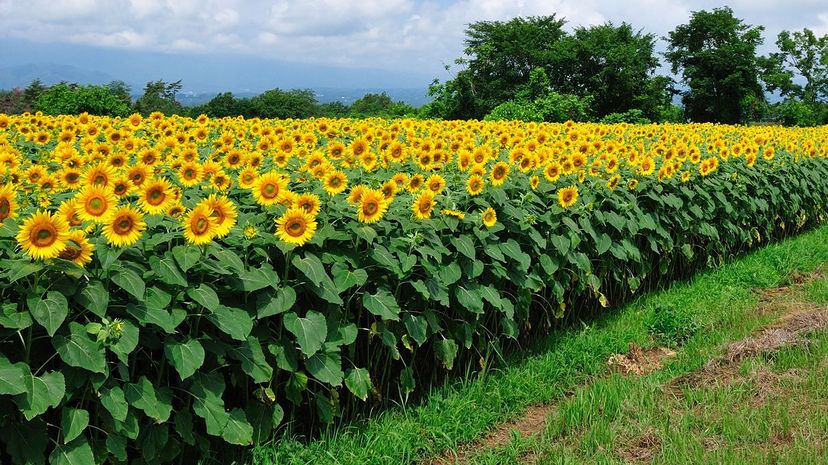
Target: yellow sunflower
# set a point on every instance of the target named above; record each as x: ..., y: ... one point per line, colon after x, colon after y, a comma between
x: 43, y: 235
x: 372, y: 206
x: 567, y: 196
x: 489, y: 217
x: 8, y: 204
x: 308, y: 202
x: 95, y: 203
x: 125, y: 226
x: 199, y: 225
x: 225, y: 213
x: 156, y: 196
x: 474, y: 185
x: 423, y: 205
x: 78, y: 249
x: 269, y: 188
x: 500, y: 171
x: 296, y: 226
x: 335, y: 182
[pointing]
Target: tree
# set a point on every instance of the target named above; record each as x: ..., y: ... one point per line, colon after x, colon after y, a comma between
x: 277, y: 103
x: 31, y: 93
x: 716, y: 55
x: 73, y: 99
x: 121, y: 90
x: 11, y: 101
x: 803, y: 54
x: 159, y: 96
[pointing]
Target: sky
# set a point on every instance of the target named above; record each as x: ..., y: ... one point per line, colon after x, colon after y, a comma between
x: 235, y: 44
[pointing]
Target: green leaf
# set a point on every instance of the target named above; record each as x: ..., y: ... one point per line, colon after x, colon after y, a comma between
x: 114, y: 401
x: 26, y: 441
x: 167, y: 271
x: 19, y: 269
x: 184, y: 426
x: 41, y: 393
x: 561, y: 244
x: 382, y: 304
x: 310, y: 331
x: 235, y: 322
x: 127, y: 341
x: 385, y: 258
x: 94, y: 297
x: 10, y: 318
x: 229, y: 259
x: 186, y: 357
x: 421, y: 287
x: 491, y: 295
x: 358, y: 382
x: 312, y: 267
x: 13, y: 376
x: 469, y: 299
x: 450, y: 273
x: 344, y: 278
x: 186, y: 256
x: 465, y: 246
x: 255, y: 279
x: 238, y: 430
x: 49, y: 312
x: 78, y: 350
x: 72, y: 423
x: 326, y: 367
x: 253, y: 360
x: 446, y: 351
x: 604, y: 243
x: 116, y: 445
x: 417, y: 327
x: 77, y: 452
x: 345, y: 336
x: 205, y: 296
x: 129, y: 281
x: 143, y: 396
x: 276, y: 302
x: 207, y: 402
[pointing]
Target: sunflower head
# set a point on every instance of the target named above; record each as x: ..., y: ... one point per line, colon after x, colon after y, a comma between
x: 489, y: 217
x: 474, y: 184
x: 423, y: 205
x: 296, y: 226
x: 567, y: 196
x: 199, y: 225
x: 8, y: 205
x: 225, y: 213
x: 124, y: 227
x: 43, y: 235
x: 372, y: 206
x: 78, y: 249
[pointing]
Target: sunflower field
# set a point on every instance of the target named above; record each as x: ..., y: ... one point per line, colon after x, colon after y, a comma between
x: 169, y: 286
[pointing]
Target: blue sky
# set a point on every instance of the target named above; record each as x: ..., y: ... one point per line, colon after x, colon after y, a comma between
x: 238, y: 44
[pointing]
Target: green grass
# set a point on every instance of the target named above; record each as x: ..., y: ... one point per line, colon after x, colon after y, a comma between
x: 720, y: 302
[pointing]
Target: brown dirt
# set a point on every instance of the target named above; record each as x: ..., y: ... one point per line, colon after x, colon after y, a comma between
x: 638, y: 361
x: 641, y: 449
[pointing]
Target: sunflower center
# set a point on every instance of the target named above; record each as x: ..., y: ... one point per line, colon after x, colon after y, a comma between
x: 155, y: 197
x: 43, y: 235
x: 122, y: 225
x: 425, y: 206
x: 74, y: 219
x: 200, y: 225
x: 370, y: 207
x: 71, y: 252
x: 5, y: 209
x: 270, y: 190
x: 120, y: 189
x: 96, y: 206
x: 296, y: 227
x: 100, y: 179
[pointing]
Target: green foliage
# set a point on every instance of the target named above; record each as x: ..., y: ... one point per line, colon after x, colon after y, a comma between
x: 73, y: 99
x: 715, y: 53
x: 802, y: 54
x: 159, y: 96
x: 379, y: 105
x: 792, y: 112
x: 671, y: 325
x: 634, y: 116
x: 512, y: 110
x: 558, y: 108
x: 277, y: 103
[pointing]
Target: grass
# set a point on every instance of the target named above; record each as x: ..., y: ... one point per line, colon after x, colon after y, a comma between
x: 719, y: 303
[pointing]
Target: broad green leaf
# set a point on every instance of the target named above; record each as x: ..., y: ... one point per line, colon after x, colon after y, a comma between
x: 446, y: 351
x: 186, y: 357
x: 184, y: 426
x: 76, y: 452
x: 78, y: 350
x: 253, y: 360
x: 465, y: 246
x: 385, y: 258
x: 10, y: 318
x: 167, y: 271
x: 113, y: 399
x: 345, y: 278
x: 116, y: 445
x: 129, y: 281
x: 421, y: 287
x: 382, y: 304
x: 275, y: 302
x: 238, y: 430
x: 491, y: 295
x: 604, y: 243
x: 94, y: 297
x: 416, y: 327
x: 311, y: 267
x: 41, y: 393
x: 549, y: 266
x: 205, y: 296
x: 235, y: 322
x: 13, y: 376
x: 326, y: 367
x: 19, y: 269
x: 25, y: 441
x: 229, y: 259
x: 358, y: 382
x: 561, y: 244
x: 469, y: 298
x: 143, y: 396
x: 49, y: 312
x: 127, y: 341
x: 186, y: 256
x: 255, y: 279
x: 450, y: 273
x: 207, y: 390
x: 72, y: 423
x: 345, y: 335
x: 310, y: 331
x: 152, y: 440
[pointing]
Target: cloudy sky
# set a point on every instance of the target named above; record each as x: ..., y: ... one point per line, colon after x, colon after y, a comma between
x: 387, y: 42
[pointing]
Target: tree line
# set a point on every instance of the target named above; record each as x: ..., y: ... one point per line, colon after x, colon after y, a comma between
x: 533, y: 69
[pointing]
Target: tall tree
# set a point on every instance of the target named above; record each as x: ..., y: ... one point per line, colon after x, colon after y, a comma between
x: 801, y: 54
x: 159, y: 96
x: 715, y: 53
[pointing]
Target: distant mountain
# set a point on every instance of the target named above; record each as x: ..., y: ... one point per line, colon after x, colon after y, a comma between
x: 49, y: 73
x: 413, y: 96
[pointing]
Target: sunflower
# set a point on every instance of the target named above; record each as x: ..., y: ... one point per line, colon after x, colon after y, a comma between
x: 98, y: 175
x: 335, y: 182
x: 250, y: 232
x: 199, y: 225
x: 156, y: 196
x: 552, y: 171
x: 308, y: 202
x: 296, y: 226
x: 612, y: 183
x: 499, y: 173
x: 435, y: 183
x: 247, y: 177
x: 489, y: 217
x: 78, y: 249
x: 474, y: 185
x: 137, y: 174
x: 8, y: 205
x: 455, y: 213
x: 224, y: 211
x: 70, y: 211
x: 269, y: 188
x: 190, y: 174
x: 423, y: 205
x: 415, y: 182
x: 43, y: 235
x: 534, y: 181
x: 372, y: 206
x: 121, y: 186
x: 567, y: 196
x: 95, y: 203
x: 356, y: 193
x: 125, y: 226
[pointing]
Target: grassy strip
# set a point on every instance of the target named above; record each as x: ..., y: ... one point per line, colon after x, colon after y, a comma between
x: 771, y: 410
x: 460, y: 412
